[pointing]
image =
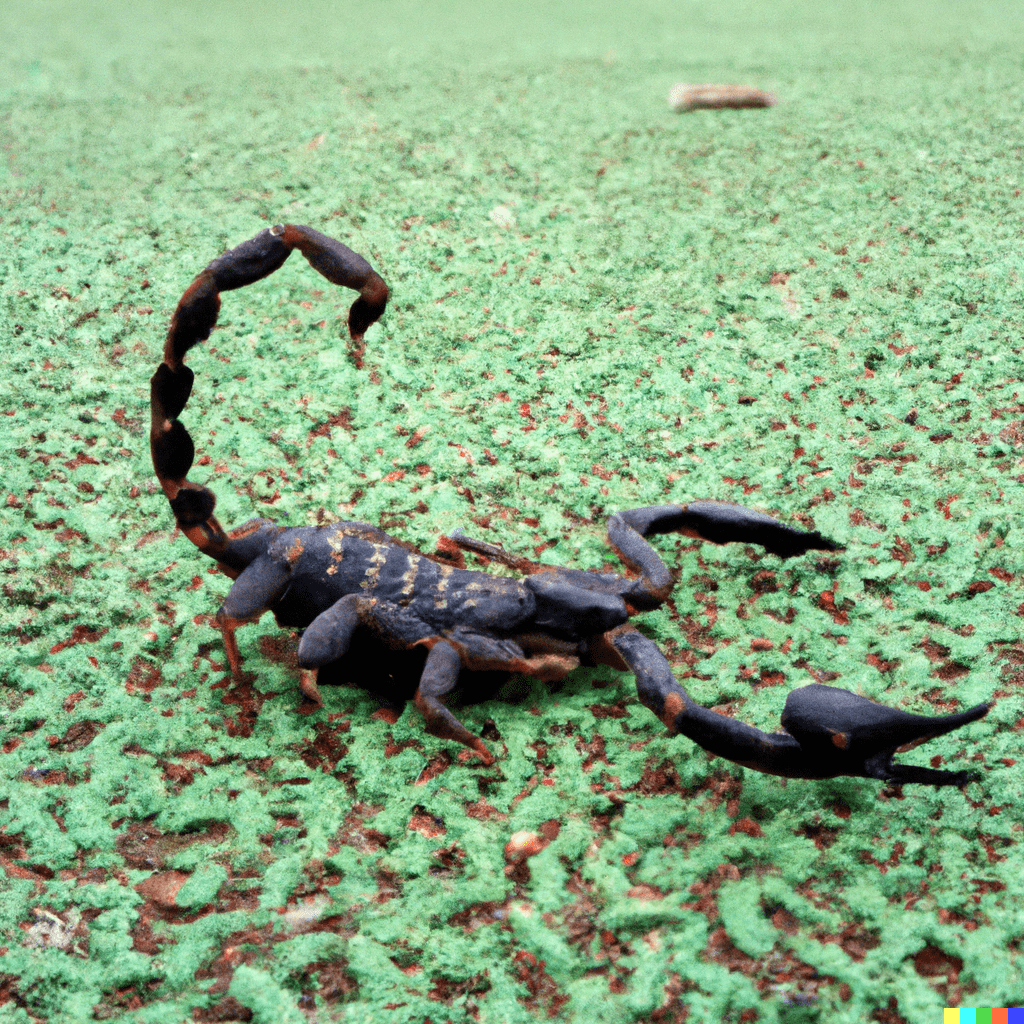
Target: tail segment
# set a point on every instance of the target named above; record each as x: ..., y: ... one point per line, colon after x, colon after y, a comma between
x: 170, y: 443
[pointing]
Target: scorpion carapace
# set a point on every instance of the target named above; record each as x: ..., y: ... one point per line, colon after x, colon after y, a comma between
x: 331, y: 580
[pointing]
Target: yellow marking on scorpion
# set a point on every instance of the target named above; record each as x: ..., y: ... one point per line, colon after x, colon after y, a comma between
x: 409, y: 580
x: 336, y: 542
x: 444, y: 574
x: 376, y: 563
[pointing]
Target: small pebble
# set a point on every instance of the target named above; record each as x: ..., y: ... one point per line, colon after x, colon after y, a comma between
x: 523, y: 845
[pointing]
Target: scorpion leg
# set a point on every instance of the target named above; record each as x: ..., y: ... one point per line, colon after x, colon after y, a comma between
x: 327, y: 639
x: 717, y: 521
x: 829, y: 732
x: 252, y: 593
x: 440, y: 675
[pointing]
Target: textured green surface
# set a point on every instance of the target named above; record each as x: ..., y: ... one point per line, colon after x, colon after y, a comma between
x: 597, y: 304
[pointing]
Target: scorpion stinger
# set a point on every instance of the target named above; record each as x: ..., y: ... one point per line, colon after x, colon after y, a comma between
x: 335, y: 582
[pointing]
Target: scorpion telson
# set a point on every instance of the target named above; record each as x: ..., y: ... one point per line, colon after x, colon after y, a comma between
x: 331, y: 580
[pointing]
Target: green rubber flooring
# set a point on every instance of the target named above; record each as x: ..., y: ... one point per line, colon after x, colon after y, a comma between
x: 597, y: 304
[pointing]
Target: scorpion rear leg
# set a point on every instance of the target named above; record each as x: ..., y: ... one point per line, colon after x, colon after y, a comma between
x: 717, y: 521
x: 440, y: 675
x: 537, y: 656
x: 328, y: 638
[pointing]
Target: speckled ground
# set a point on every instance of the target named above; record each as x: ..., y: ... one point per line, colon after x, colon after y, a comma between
x: 597, y: 304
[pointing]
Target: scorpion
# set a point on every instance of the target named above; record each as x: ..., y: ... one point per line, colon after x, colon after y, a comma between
x: 328, y: 581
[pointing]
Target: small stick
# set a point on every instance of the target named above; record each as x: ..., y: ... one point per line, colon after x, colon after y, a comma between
x: 716, y: 97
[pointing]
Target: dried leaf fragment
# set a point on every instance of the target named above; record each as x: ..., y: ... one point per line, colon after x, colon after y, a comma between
x: 717, y: 97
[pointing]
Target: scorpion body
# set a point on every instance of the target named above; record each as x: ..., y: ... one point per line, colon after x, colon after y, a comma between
x: 331, y: 581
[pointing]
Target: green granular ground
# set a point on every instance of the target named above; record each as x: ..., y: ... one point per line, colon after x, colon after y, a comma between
x: 597, y: 304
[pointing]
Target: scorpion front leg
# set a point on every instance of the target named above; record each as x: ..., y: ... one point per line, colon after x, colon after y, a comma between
x: 829, y: 732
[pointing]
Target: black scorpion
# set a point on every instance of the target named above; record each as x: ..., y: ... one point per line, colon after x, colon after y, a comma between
x: 329, y: 581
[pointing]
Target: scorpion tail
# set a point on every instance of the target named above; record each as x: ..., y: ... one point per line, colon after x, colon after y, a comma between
x: 171, y: 446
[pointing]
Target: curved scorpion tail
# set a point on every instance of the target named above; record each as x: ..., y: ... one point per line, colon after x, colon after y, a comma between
x: 171, y: 445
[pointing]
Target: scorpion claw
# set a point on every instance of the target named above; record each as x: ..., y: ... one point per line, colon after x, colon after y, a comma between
x: 720, y: 522
x: 856, y: 736
x: 829, y: 732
